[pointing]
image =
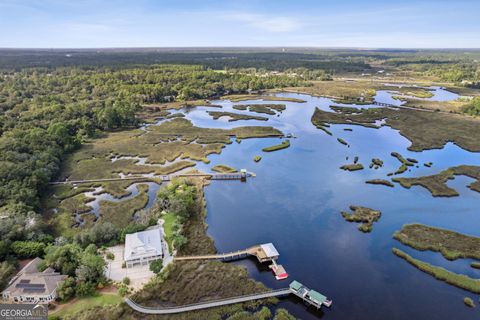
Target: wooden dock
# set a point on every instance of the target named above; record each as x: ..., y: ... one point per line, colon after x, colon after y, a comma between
x: 257, y: 251
x: 264, y: 253
x: 166, y: 177
x: 383, y: 104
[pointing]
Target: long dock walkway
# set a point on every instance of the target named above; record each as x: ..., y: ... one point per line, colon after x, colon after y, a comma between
x: 165, y: 177
x: 221, y: 256
x: 206, y: 305
x: 263, y: 252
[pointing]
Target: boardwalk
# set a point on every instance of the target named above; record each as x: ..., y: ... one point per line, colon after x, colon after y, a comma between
x: 221, y: 256
x: 206, y: 305
x: 264, y: 253
x: 166, y: 177
x: 382, y: 104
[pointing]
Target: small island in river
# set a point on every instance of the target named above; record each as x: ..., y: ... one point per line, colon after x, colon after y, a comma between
x: 365, y: 216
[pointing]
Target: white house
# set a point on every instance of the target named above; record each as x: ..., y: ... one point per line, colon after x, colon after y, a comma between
x: 141, y: 248
x: 32, y: 286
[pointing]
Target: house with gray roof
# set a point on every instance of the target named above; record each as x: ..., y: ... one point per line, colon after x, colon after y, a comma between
x: 33, y: 286
x: 143, y: 247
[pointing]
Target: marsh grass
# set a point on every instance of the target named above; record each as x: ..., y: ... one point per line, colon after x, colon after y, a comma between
x: 352, y: 167
x: 437, y: 183
x: 458, y: 280
x: 244, y: 97
x: 342, y: 141
x: 425, y: 130
x: 452, y: 245
x: 223, y: 168
x: 380, y: 182
x: 285, y: 144
x: 365, y: 216
x: 469, y: 302
x: 121, y: 213
x: 234, y: 116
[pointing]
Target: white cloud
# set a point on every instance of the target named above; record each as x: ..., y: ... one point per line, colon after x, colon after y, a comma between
x: 267, y: 23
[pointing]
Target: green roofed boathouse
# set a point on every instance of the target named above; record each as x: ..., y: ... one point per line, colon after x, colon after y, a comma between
x: 311, y: 296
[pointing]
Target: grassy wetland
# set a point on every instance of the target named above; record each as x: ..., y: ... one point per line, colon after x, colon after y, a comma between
x: 234, y: 116
x: 285, y: 144
x: 437, y: 183
x: 458, y: 280
x: 425, y: 130
x: 352, y: 167
x: 223, y: 168
x: 380, y: 182
x: 452, y: 245
x: 365, y: 216
x: 270, y: 109
x: 169, y: 147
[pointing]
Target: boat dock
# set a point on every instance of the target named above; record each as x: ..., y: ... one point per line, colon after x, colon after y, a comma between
x: 264, y: 253
x: 278, y: 270
x: 310, y: 296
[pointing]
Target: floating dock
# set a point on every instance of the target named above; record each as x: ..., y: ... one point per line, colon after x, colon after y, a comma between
x: 279, y: 271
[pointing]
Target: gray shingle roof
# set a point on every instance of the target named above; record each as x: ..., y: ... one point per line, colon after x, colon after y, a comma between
x: 29, y: 281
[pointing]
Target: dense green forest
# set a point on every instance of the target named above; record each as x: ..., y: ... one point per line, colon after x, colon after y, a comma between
x: 217, y: 60
x: 450, y: 65
x: 46, y: 113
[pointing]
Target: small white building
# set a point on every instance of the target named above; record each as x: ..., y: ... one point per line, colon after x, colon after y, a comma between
x: 143, y: 247
x: 32, y: 286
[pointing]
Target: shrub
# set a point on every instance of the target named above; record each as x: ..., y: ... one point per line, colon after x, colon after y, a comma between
x: 28, y: 249
x: 156, y: 266
x: 126, y: 281
x: 6, y: 271
x: 85, y: 289
x: 123, y: 290
x: 66, y: 290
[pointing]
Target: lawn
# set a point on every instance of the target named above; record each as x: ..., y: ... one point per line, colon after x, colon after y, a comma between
x: 69, y: 309
x: 169, y: 221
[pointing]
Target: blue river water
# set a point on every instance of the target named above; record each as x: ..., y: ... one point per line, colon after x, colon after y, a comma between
x: 296, y: 199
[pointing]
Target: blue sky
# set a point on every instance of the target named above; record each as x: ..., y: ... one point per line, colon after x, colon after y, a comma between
x: 193, y: 23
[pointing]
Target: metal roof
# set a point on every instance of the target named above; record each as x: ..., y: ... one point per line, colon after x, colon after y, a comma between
x: 295, y: 285
x: 314, y: 295
x: 143, y: 244
x: 270, y: 250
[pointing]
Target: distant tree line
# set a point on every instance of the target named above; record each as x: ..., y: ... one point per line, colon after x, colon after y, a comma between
x: 218, y: 60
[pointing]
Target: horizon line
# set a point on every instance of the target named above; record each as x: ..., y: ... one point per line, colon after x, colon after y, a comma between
x: 366, y: 48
